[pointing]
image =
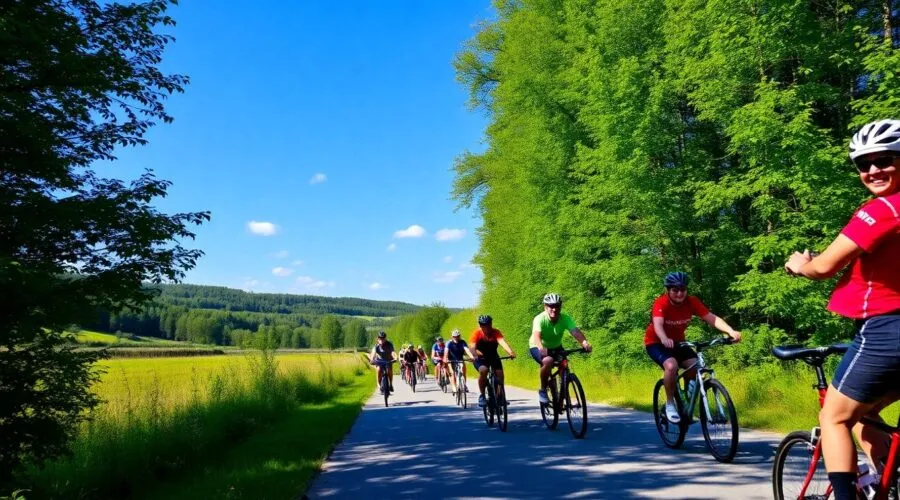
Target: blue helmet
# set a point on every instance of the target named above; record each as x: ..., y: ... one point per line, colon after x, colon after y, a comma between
x: 676, y: 278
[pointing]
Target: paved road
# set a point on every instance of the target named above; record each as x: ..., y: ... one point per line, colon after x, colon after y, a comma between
x: 403, y: 450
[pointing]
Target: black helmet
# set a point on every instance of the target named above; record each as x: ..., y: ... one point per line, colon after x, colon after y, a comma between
x: 676, y: 278
x: 382, y: 335
x: 485, y: 319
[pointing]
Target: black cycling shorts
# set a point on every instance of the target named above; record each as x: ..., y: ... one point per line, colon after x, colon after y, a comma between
x: 870, y: 369
x: 493, y: 362
x: 536, y: 353
x: 661, y: 353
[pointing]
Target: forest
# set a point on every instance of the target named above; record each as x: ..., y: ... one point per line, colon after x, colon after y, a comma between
x: 629, y: 138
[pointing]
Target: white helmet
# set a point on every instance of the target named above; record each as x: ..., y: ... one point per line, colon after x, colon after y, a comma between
x: 552, y: 299
x: 875, y: 137
x: 455, y: 332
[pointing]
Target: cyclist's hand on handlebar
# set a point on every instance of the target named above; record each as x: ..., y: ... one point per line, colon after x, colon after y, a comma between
x: 543, y: 351
x: 669, y: 343
x: 735, y: 336
x: 586, y: 346
x: 512, y: 355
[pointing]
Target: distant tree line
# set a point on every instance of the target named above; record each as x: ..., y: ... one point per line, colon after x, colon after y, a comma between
x: 420, y: 327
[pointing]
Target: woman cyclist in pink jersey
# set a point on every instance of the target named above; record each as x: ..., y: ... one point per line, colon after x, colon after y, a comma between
x: 868, y: 377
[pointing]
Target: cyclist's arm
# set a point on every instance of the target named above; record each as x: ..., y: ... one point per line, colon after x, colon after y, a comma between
x: 506, y: 347
x: 721, y: 325
x: 469, y: 352
x: 446, y: 355
x: 536, y: 338
x: 575, y: 332
x: 372, y: 355
x: 659, y: 327
x: 836, y: 257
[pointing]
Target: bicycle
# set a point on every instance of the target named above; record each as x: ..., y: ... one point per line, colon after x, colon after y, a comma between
x: 495, y: 401
x: 410, y: 376
x: 443, y: 380
x: 385, y: 382
x: 573, y: 403
x: 717, y: 410
x: 810, y: 478
x: 420, y: 370
x: 460, y: 383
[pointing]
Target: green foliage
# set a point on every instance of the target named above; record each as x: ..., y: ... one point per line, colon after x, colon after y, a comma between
x: 355, y: 335
x: 631, y: 138
x: 421, y: 327
x: 78, y: 80
x: 332, y: 333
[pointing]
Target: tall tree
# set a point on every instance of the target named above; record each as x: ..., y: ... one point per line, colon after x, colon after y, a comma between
x: 355, y: 335
x: 78, y: 79
x: 331, y: 332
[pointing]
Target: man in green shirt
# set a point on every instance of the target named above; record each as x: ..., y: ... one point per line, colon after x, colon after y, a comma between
x: 547, y: 331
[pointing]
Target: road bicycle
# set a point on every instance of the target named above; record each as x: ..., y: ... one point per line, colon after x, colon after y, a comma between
x: 495, y: 401
x: 420, y: 370
x: 718, y: 417
x: 385, y: 381
x: 571, y: 400
x: 409, y: 373
x: 799, y: 469
x: 460, y: 383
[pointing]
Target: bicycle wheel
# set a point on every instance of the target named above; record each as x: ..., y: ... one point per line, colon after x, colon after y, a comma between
x: 488, y: 409
x: 444, y: 381
x: 500, y: 407
x: 548, y: 410
x: 461, y: 388
x: 672, y: 434
x: 576, y: 407
x: 721, y: 432
x: 798, y: 471
x: 385, y: 388
x: 412, y: 380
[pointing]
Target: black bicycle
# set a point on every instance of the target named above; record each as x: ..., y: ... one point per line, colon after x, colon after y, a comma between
x: 495, y: 401
x: 718, y: 417
x: 443, y: 380
x: 460, y: 378
x: 385, y: 381
x: 571, y: 401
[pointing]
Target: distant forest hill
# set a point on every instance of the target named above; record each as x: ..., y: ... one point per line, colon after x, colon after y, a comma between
x: 225, y: 316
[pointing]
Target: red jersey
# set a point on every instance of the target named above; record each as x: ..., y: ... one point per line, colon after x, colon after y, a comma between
x: 872, y: 284
x: 675, y: 317
x: 487, y: 345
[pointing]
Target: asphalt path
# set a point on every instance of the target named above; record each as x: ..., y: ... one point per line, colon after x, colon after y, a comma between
x: 424, y: 446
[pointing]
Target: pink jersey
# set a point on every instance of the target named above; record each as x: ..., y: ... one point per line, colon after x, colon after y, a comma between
x: 872, y: 284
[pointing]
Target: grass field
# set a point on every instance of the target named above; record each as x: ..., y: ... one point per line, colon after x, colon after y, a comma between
x: 205, y: 427
x: 99, y: 339
x: 773, y: 397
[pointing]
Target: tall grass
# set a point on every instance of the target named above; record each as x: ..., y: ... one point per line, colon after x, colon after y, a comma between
x: 158, y: 423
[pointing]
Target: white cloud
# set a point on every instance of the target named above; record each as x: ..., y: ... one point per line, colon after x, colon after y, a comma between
x: 282, y: 254
x: 297, y: 263
x: 391, y: 247
x: 377, y: 286
x: 262, y: 228
x: 449, y: 234
x: 448, y: 259
x: 414, y: 231
x: 318, y: 178
x: 311, y: 283
x: 282, y: 272
x: 467, y: 265
x: 446, y: 276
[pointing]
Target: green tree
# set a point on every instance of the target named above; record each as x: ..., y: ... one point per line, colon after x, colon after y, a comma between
x: 355, y: 335
x: 79, y: 79
x: 332, y: 333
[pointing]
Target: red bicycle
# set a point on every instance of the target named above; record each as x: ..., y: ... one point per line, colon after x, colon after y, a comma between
x: 799, y: 470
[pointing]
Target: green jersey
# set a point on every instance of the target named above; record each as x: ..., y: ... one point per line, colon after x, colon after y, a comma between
x: 551, y: 333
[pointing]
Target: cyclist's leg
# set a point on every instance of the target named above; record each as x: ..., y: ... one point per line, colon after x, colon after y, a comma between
x: 686, y: 357
x: 666, y: 360
x: 453, y: 378
x: 875, y: 442
x: 482, y: 376
x: 390, y: 374
x: 378, y: 371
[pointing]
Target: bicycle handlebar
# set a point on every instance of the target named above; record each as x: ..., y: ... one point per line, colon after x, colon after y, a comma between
x: 699, y: 346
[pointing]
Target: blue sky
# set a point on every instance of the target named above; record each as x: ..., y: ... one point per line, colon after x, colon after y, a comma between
x: 321, y: 136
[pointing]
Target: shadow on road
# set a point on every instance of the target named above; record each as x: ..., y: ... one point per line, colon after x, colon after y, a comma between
x: 403, y: 450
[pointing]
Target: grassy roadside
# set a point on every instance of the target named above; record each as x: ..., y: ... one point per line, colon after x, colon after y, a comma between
x: 280, y: 461
x: 773, y: 397
x: 167, y: 420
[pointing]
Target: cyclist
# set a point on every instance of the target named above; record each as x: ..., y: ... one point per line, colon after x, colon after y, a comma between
x: 384, y: 351
x: 410, y: 358
x: 484, y: 341
x: 869, y: 292
x: 437, y: 357
x: 669, y: 317
x: 547, y: 330
x: 401, y: 355
x: 422, y: 356
x: 455, y: 351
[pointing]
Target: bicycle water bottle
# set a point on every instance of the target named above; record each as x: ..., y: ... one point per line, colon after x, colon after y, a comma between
x: 867, y: 480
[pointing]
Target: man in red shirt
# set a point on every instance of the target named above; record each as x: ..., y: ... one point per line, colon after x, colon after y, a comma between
x: 484, y: 343
x: 671, y: 313
x: 868, y: 377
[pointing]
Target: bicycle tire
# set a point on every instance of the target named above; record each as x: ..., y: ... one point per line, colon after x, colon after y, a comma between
x: 548, y: 410
x: 385, y: 388
x: 578, y: 409
x: 488, y: 409
x: 672, y: 435
x: 412, y: 380
x: 726, y: 454
x: 461, y: 389
x: 444, y: 381
x: 818, y: 487
x: 500, y: 407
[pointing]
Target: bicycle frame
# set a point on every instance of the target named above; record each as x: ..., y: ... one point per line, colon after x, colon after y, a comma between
x: 703, y: 374
x: 561, y: 369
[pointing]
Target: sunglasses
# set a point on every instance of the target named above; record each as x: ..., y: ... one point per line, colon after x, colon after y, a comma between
x: 882, y: 162
x: 678, y: 288
x: 554, y: 306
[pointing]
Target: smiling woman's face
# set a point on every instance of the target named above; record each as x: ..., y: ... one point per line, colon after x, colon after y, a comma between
x: 879, y: 174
